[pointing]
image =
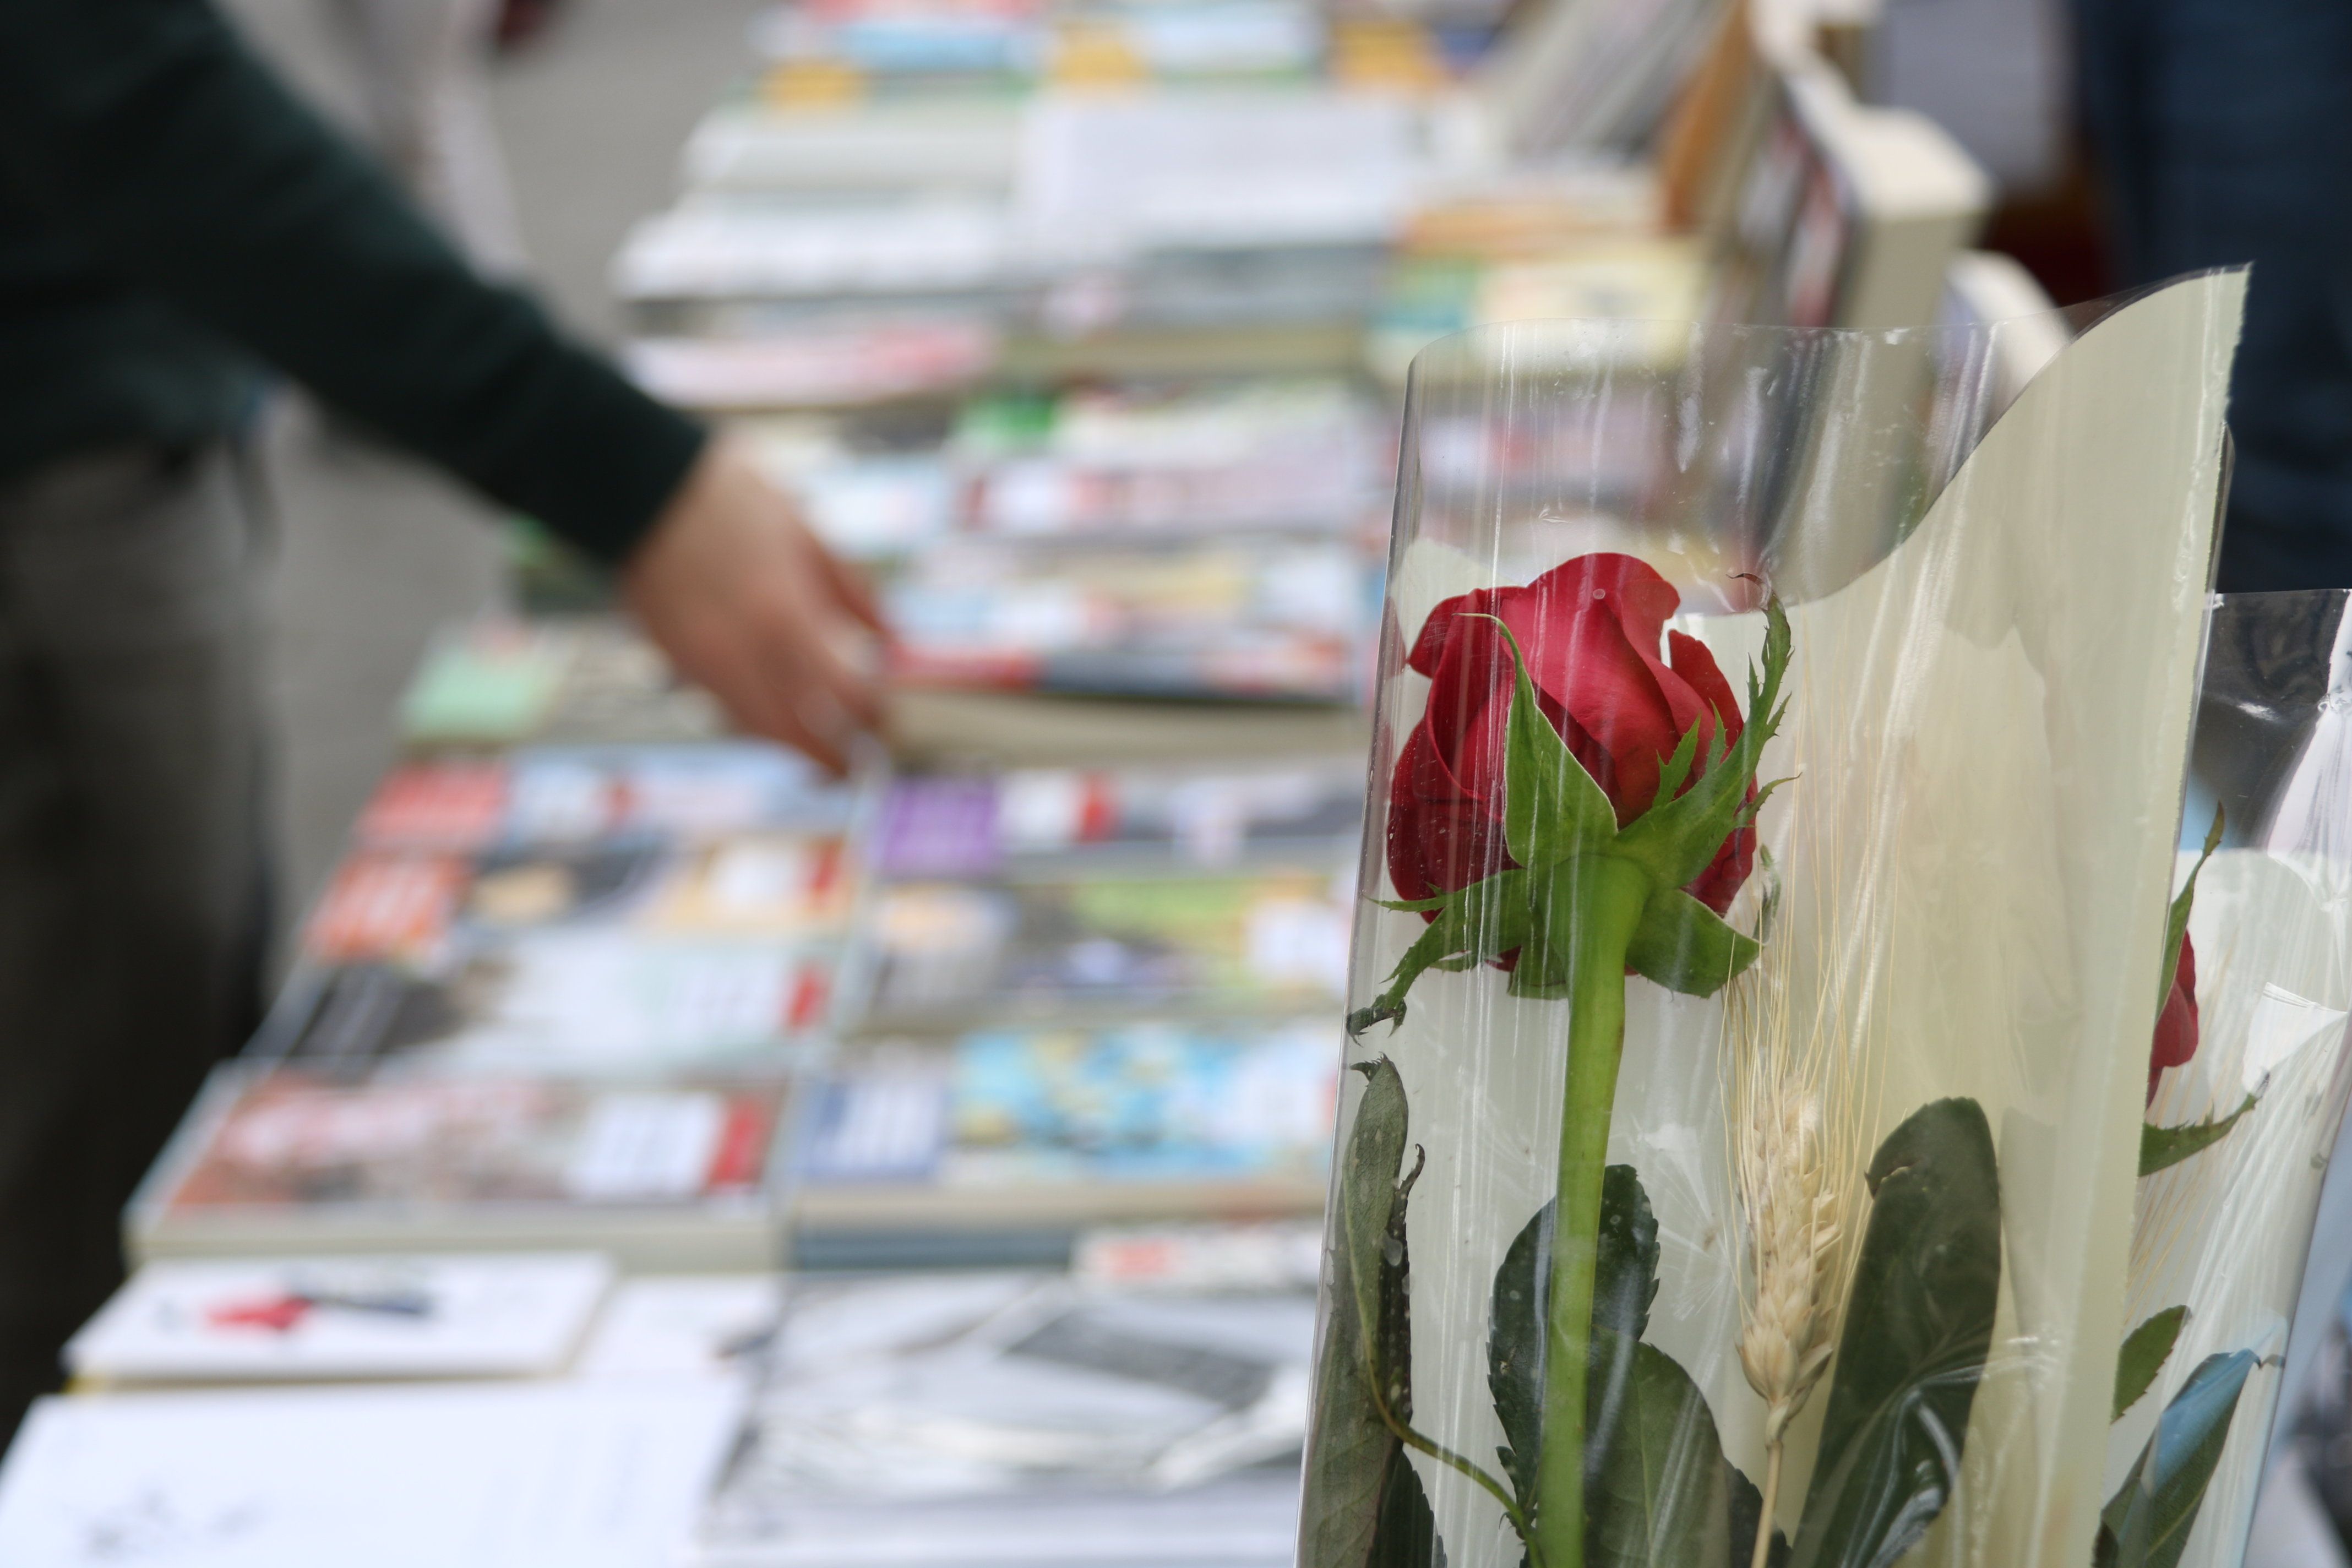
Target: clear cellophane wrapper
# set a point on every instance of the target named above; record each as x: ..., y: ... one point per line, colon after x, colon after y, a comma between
x: 1780, y: 756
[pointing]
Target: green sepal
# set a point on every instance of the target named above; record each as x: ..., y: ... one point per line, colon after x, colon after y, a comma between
x: 1686, y: 947
x: 2175, y: 922
x: 2161, y: 1147
x: 1552, y: 808
x: 1483, y: 922
x: 1678, y: 836
x: 2145, y: 1352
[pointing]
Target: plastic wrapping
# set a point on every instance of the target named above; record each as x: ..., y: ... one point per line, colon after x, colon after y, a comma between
x: 2247, y: 1087
x: 1780, y: 749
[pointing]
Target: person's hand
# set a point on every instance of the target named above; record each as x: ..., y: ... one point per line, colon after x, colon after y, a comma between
x: 738, y: 593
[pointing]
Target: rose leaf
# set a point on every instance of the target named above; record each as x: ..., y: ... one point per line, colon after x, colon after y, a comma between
x: 2145, y: 1524
x: 1352, y: 1458
x: 1661, y: 1497
x: 1918, y: 1331
x: 2161, y: 1147
x: 2146, y: 1349
x: 1406, y: 1533
x: 1624, y: 1283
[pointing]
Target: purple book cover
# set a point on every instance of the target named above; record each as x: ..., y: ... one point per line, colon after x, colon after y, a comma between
x: 939, y: 827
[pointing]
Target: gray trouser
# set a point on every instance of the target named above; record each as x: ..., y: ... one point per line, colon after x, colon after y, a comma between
x: 132, y: 889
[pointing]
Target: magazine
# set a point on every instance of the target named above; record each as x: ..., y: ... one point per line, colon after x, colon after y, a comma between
x: 499, y: 681
x: 669, y: 1173
x: 1236, y: 617
x: 1049, y: 1125
x: 921, y: 1418
x: 592, y: 953
x: 1113, y: 946
x: 976, y: 824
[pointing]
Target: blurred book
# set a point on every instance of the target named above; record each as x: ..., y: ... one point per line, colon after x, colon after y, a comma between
x: 1203, y: 1258
x: 672, y: 1175
x: 937, y: 44
x: 1845, y: 215
x: 500, y: 682
x: 588, y: 909
x: 969, y: 1417
x: 848, y: 144
x: 954, y: 729
x: 554, y: 1475
x: 343, y: 1319
x: 566, y: 794
x: 584, y: 1003
x: 1302, y: 454
x: 1222, y: 168
x: 1310, y: 811
x: 1655, y: 285
x: 1109, y: 946
x: 437, y: 909
x: 1051, y: 1127
x: 928, y: 246
x: 1592, y: 75
x: 824, y: 364
x: 1230, y: 617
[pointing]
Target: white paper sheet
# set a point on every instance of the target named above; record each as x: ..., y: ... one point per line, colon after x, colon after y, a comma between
x: 546, y: 1476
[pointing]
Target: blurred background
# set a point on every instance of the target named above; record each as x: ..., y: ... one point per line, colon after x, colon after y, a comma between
x: 1083, y: 327
x: 770, y: 183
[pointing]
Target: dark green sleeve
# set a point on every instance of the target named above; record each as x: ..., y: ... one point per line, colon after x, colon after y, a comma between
x: 148, y: 134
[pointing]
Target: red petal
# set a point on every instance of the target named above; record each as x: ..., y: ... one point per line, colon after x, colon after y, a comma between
x: 1696, y: 666
x: 1439, y: 840
x: 1429, y: 646
x: 1469, y: 705
x: 2175, y: 1044
x: 1578, y: 654
x: 1726, y: 874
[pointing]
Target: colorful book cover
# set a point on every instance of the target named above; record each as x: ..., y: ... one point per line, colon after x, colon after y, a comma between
x: 1265, y: 940
x: 1144, y: 1102
x: 973, y: 825
x: 293, y: 1139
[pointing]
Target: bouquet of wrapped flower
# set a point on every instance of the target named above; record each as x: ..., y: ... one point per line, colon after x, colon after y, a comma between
x: 1752, y: 1084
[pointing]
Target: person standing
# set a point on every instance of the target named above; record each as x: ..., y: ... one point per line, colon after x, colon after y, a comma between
x: 172, y: 220
x: 2223, y: 133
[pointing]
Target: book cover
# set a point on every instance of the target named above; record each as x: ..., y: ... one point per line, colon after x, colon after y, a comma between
x: 1115, y: 942
x: 973, y: 825
x: 292, y: 1139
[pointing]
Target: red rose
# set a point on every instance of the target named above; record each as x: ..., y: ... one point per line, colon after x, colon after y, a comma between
x: 1589, y: 630
x: 2176, y: 1027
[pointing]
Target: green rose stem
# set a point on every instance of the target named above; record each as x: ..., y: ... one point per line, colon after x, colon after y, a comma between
x: 1607, y: 907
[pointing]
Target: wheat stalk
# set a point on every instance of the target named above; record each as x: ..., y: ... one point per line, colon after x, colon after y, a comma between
x: 1791, y: 1210
x: 1803, y: 1070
